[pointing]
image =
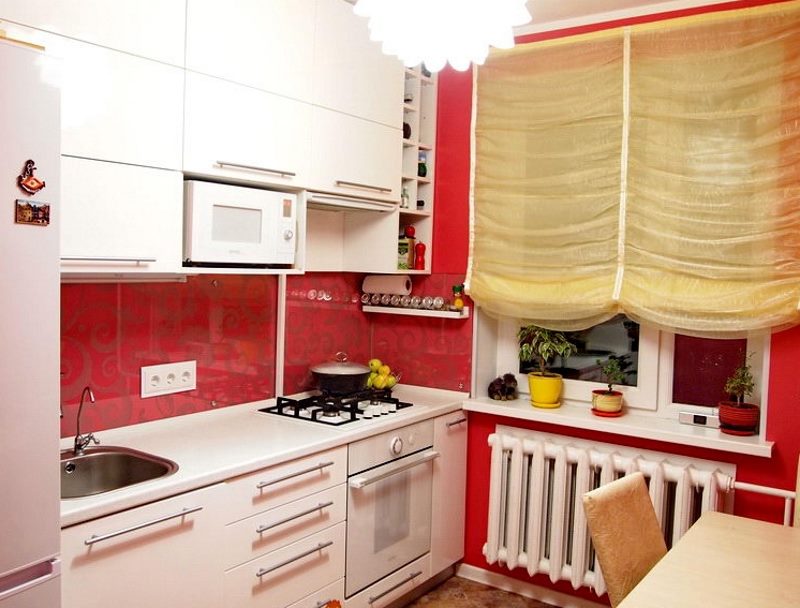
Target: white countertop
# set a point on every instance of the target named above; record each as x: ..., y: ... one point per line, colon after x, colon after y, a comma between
x: 212, y: 446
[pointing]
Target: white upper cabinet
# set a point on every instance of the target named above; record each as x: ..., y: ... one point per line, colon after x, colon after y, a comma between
x: 237, y: 132
x: 148, y: 28
x: 351, y: 73
x: 118, y: 107
x: 119, y: 218
x: 267, y: 45
x: 352, y: 156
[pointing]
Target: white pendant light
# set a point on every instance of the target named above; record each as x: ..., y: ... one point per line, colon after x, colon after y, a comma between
x: 437, y: 32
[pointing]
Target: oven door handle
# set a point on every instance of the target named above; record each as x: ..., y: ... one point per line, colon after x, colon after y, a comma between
x: 362, y: 482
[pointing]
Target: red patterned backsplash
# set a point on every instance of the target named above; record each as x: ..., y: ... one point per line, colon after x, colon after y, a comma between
x: 108, y: 331
x: 227, y: 323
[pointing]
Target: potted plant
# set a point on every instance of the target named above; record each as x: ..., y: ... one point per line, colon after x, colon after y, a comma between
x: 541, y: 346
x: 608, y: 402
x: 736, y: 417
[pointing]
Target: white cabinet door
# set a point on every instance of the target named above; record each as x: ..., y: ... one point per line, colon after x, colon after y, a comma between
x: 355, y: 157
x: 241, y: 133
x: 148, y: 28
x: 118, y: 107
x: 267, y: 45
x: 351, y: 72
x: 449, y: 490
x: 161, y: 554
x: 120, y: 218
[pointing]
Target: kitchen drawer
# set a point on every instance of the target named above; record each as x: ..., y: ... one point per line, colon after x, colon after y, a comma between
x: 283, y: 483
x: 287, y: 524
x: 393, y: 586
x: 286, y: 574
x: 324, y: 597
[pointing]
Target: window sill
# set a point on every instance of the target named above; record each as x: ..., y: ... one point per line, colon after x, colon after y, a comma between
x: 629, y: 425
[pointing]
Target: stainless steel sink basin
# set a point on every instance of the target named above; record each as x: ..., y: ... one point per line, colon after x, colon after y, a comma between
x: 105, y: 468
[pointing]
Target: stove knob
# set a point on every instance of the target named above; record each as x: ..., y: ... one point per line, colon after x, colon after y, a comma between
x: 391, y: 407
x: 396, y: 446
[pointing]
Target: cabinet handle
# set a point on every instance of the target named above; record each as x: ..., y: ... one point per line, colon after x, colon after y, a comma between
x: 319, y: 467
x: 105, y: 258
x: 456, y: 422
x: 319, y: 507
x: 99, y: 538
x: 409, y: 578
x: 340, y: 182
x: 319, y: 547
x: 323, y: 603
x: 362, y: 482
x: 282, y: 173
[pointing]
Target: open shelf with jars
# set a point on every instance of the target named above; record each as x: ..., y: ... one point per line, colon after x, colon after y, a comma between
x: 419, y: 137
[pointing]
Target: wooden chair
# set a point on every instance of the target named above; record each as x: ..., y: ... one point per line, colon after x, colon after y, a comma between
x: 625, y: 532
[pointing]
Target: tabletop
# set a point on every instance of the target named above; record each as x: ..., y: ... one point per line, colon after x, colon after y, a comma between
x: 725, y: 560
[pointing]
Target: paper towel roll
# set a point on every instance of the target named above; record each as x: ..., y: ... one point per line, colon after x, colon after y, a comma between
x: 378, y: 283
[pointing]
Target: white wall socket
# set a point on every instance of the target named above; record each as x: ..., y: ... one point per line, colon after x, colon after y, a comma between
x: 168, y: 378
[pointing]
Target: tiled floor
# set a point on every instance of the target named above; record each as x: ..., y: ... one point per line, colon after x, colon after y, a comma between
x: 458, y: 592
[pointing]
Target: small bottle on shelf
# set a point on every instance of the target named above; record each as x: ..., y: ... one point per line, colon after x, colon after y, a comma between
x: 422, y: 165
x: 458, y: 293
x: 404, y: 198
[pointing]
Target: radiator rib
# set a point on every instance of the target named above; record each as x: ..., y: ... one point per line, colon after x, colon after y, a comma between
x: 536, y: 519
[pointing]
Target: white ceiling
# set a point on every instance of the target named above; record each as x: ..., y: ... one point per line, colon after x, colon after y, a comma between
x: 559, y: 14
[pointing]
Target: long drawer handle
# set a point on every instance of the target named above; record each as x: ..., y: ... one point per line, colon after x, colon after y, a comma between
x: 362, y: 482
x: 323, y: 603
x: 319, y: 507
x: 340, y: 182
x: 95, y: 538
x: 105, y: 258
x: 281, y: 172
x: 408, y: 579
x: 456, y: 422
x: 319, y: 547
x: 263, y: 484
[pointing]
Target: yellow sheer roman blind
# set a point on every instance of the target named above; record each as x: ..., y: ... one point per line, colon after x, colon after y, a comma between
x: 653, y: 171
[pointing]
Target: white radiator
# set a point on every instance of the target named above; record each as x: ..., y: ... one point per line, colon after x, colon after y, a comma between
x: 536, y: 518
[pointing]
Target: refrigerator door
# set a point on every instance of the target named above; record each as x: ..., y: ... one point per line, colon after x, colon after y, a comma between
x: 29, y: 313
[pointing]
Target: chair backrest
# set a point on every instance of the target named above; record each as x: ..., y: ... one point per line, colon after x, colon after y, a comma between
x: 625, y: 532
x: 796, y: 520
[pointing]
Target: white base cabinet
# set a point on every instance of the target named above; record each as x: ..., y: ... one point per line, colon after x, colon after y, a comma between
x: 119, y: 218
x: 156, y: 555
x: 449, y: 490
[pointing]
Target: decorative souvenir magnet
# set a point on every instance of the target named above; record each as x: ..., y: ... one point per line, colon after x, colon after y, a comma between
x: 27, y: 181
x: 32, y: 212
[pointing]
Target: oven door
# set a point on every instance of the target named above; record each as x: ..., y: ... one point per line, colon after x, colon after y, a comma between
x: 388, y: 518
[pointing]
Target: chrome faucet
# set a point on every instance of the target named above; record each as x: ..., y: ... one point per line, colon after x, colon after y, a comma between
x: 81, y: 441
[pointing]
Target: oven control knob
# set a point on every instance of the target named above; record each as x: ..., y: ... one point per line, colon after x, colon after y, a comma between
x: 396, y: 446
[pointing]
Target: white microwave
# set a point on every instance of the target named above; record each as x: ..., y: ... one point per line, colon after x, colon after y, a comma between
x: 228, y: 225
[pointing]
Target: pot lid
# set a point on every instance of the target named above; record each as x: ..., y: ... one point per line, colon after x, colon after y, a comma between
x: 340, y: 367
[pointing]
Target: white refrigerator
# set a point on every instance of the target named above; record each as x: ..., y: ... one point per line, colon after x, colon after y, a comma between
x: 29, y: 330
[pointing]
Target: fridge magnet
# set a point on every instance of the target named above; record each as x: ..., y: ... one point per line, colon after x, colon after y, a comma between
x: 32, y: 212
x: 27, y: 181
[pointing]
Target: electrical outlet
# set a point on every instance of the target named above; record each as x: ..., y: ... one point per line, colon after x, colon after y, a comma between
x: 169, y: 378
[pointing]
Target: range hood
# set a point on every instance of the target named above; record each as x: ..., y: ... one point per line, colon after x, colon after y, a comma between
x: 332, y: 202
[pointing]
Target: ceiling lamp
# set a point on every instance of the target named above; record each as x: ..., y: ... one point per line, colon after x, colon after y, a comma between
x: 437, y: 32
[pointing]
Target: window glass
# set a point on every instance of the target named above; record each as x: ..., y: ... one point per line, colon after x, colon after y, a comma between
x: 701, y: 366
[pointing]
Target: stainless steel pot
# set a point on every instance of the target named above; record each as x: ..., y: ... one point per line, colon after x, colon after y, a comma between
x: 340, y: 377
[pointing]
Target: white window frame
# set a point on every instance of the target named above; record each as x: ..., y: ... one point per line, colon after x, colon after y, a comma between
x: 653, y: 393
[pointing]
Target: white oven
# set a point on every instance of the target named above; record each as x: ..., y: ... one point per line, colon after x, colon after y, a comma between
x: 238, y: 226
x: 389, y: 503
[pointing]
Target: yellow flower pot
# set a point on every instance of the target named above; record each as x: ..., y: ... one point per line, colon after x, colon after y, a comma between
x: 545, y: 390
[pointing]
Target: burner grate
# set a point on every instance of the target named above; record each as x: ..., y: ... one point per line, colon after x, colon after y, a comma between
x: 333, y: 410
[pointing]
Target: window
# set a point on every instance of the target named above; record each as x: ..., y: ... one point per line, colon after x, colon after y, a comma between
x: 668, y: 372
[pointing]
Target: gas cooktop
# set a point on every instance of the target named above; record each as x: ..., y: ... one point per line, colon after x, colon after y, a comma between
x: 338, y: 410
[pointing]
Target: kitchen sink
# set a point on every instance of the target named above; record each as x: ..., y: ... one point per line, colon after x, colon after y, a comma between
x: 106, y: 468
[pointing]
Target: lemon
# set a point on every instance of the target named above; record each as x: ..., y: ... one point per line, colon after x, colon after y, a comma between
x: 379, y: 382
x: 384, y: 370
x: 391, y: 380
x: 374, y: 365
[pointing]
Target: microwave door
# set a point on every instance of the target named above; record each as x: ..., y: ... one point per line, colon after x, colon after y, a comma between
x: 227, y: 232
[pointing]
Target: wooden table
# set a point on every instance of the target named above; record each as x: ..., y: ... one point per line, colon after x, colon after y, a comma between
x: 725, y: 561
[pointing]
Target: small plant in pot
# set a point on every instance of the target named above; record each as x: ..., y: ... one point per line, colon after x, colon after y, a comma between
x: 736, y: 417
x: 541, y: 345
x: 607, y: 402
